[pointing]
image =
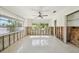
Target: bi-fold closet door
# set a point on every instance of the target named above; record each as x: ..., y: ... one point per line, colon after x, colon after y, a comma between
x: 73, y: 28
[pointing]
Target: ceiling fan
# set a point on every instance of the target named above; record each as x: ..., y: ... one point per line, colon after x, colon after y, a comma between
x: 40, y: 15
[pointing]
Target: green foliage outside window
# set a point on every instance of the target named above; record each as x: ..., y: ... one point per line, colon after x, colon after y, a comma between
x: 40, y: 25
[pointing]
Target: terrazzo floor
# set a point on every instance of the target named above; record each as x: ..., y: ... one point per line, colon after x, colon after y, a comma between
x: 41, y: 44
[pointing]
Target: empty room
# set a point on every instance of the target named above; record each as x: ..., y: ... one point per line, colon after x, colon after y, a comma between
x: 39, y: 29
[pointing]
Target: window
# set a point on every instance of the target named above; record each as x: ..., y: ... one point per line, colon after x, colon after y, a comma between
x: 9, y: 24
x: 40, y: 25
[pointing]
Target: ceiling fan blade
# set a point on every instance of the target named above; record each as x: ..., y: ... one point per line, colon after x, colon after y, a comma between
x: 34, y: 15
x: 39, y: 13
x: 41, y: 17
x: 44, y: 15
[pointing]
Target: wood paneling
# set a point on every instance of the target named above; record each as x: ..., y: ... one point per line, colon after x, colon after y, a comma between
x: 47, y: 31
x: 1, y: 43
x: 19, y: 35
x: 62, y: 29
x: 52, y: 30
x: 6, y: 41
x: 59, y: 33
x: 73, y: 35
x: 11, y: 39
x: 15, y: 37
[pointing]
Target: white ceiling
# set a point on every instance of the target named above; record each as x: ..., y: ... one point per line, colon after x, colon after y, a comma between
x: 29, y: 12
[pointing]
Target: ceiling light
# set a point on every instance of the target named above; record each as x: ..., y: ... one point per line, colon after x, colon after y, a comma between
x: 54, y: 11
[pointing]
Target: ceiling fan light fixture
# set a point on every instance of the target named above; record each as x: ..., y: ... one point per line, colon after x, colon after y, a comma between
x: 54, y: 11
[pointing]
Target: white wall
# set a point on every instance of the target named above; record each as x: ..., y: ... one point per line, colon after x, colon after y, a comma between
x: 61, y: 15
